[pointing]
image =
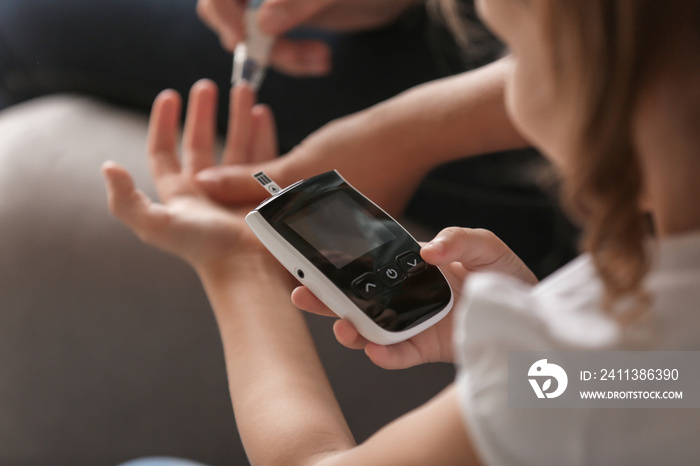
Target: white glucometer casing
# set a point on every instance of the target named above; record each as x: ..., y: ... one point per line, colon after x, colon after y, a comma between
x: 353, y: 256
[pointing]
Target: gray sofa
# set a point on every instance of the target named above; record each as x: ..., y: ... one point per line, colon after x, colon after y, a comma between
x: 108, y: 348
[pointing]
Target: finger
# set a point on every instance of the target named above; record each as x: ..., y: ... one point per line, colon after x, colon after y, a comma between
x: 121, y: 192
x: 301, y: 57
x: 225, y: 17
x: 304, y: 299
x: 279, y: 16
x: 475, y: 249
x: 129, y: 205
x: 238, y: 138
x: 235, y: 183
x: 163, y: 135
x: 264, y: 135
x: 163, y: 140
x: 399, y: 356
x: 200, y: 127
x: 458, y: 274
x: 344, y: 331
x: 347, y: 335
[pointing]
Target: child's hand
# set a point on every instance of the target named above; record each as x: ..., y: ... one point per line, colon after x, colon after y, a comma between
x: 187, y: 223
x: 459, y: 252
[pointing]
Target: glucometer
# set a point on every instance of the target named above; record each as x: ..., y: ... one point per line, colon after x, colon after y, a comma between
x: 352, y: 255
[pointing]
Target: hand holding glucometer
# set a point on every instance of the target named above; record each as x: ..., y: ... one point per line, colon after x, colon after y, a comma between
x: 353, y: 256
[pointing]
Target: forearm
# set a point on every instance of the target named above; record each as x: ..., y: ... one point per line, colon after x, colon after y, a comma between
x: 285, y: 409
x: 436, y: 122
x: 451, y: 118
x: 386, y: 150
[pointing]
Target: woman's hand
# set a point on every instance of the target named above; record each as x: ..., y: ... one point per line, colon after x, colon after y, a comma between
x: 187, y: 223
x: 458, y: 252
x: 386, y: 150
x: 277, y: 17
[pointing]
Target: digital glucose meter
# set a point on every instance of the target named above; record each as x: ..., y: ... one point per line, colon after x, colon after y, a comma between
x: 354, y: 257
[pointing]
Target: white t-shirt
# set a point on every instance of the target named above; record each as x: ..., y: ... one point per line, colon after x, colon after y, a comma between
x: 563, y: 312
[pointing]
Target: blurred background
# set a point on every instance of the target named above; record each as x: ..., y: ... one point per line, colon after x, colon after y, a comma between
x: 108, y: 348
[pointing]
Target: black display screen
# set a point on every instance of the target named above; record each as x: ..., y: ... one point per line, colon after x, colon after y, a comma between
x: 339, y: 228
x: 348, y: 238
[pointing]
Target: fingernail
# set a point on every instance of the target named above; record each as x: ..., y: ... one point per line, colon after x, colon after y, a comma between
x: 315, y: 62
x: 228, y: 41
x: 273, y: 19
x: 317, y: 68
x: 207, y: 178
x: 436, y: 246
x: 313, y: 56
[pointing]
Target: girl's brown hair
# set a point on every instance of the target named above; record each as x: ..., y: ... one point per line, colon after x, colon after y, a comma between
x: 605, y: 52
x: 597, y: 55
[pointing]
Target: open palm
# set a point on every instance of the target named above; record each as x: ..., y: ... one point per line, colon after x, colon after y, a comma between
x: 187, y: 222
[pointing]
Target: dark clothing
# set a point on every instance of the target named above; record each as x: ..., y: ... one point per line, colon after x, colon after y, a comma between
x: 126, y: 51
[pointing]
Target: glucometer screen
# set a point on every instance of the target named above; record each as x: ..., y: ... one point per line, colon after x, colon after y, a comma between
x: 339, y: 228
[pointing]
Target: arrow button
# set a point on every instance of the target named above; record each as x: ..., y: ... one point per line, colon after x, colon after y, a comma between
x: 411, y: 262
x: 367, y: 286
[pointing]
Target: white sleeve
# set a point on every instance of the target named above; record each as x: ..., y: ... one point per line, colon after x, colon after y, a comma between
x: 500, y: 314
x: 496, y: 317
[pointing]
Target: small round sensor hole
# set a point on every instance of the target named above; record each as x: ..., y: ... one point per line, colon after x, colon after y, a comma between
x: 300, y: 274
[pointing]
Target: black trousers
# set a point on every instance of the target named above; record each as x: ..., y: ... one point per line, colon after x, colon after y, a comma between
x: 127, y: 51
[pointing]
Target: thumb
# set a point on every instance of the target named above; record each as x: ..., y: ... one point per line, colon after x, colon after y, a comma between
x: 231, y: 184
x: 475, y: 249
x: 276, y: 17
x: 236, y: 184
x: 132, y: 206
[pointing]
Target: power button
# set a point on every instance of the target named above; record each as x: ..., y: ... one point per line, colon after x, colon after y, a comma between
x: 391, y: 274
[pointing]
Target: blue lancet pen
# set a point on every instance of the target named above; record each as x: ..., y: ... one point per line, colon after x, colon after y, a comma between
x: 252, y: 56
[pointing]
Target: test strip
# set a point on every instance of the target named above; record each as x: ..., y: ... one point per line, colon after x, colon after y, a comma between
x: 265, y: 181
